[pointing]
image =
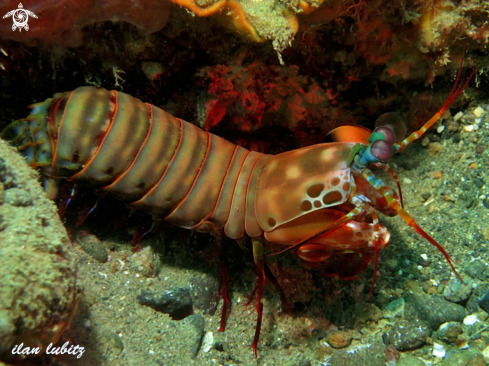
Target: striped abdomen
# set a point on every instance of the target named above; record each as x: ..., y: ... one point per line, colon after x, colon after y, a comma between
x: 142, y: 154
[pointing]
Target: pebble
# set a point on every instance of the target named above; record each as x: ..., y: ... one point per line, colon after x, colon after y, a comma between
x: 143, y: 262
x: 408, y: 360
x: 471, y: 319
x: 91, y: 245
x: 439, y: 350
x: 207, y: 342
x: 426, y: 196
x: 479, y: 183
x: 458, y: 116
x: 18, y: 197
x: 362, y: 355
x: 198, y: 323
x: 452, y: 126
x: 484, y: 302
x: 448, y: 332
x: 440, y: 129
x: 476, y: 269
x: 456, y: 138
x: 175, y: 302
x: 456, y: 291
x: 338, y: 339
x: 479, y: 112
x: 469, y: 128
x: 479, y: 149
x: 394, y: 308
x: 434, y: 147
x: 392, y: 354
x: 469, y: 357
x: 407, y: 335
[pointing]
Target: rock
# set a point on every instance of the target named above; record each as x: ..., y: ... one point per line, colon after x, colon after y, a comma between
x: 203, y: 291
x: 476, y: 269
x: 362, y: 355
x: 143, y: 262
x: 40, y: 290
x: 426, y: 196
x: 468, y: 357
x: 433, y: 309
x: 392, y: 354
x: 484, y: 303
x: 448, y: 332
x: 394, y: 309
x: 91, y: 245
x: 471, y: 320
x: 438, y: 350
x: 456, y: 291
x: 408, y: 360
x: 367, y: 312
x: 207, y: 342
x: 176, y: 302
x: 407, y: 335
x: 197, y: 322
x: 338, y: 338
x: 472, y: 305
x: 479, y: 112
x: 479, y: 183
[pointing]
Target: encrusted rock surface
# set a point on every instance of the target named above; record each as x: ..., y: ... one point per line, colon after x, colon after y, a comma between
x: 38, y: 264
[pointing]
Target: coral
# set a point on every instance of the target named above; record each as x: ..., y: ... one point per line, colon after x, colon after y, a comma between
x: 255, y: 96
x: 443, y: 22
x: 256, y: 20
x: 413, y: 40
x: 61, y: 21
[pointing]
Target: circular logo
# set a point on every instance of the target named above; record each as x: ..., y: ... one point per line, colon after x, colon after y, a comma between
x: 20, y: 17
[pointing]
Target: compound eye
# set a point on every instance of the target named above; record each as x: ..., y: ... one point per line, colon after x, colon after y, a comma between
x: 388, y: 133
x: 394, y: 122
x: 381, y: 150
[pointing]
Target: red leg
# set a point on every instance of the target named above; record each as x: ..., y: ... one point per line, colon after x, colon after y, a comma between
x: 259, y: 257
x: 223, y: 280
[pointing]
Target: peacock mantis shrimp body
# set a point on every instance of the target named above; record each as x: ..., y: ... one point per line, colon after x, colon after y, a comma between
x: 321, y: 200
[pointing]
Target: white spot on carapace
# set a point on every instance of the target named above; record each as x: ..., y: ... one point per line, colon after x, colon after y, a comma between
x: 293, y: 172
x: 325, y: 155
